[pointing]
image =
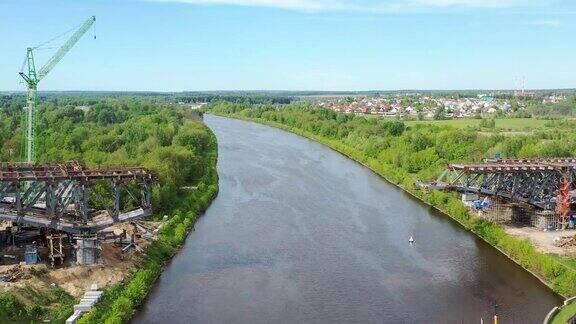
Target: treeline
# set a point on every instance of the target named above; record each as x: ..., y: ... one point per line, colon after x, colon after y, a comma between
x: 166, y: 139
x: 404, y: 155
x: 521, y: 107
x: 236, y: 97
x: 91, y: 98
x: 422, y: 150
x: 566, y: 108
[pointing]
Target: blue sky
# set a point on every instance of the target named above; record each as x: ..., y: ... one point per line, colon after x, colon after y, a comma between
x: 296, y: 44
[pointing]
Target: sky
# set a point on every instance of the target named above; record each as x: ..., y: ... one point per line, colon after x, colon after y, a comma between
x: 200, y: 45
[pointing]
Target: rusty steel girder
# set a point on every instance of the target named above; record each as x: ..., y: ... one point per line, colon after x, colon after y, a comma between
x: 543, y: 183
x: 71, y: 198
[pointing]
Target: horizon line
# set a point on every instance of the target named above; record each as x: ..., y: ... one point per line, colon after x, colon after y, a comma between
x: 284, y: 90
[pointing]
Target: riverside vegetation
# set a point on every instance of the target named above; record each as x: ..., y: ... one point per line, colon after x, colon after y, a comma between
x: 404, y: 154
x: 170, y: 141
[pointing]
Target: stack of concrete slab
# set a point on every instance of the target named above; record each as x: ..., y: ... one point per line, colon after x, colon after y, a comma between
x: 90, y: 298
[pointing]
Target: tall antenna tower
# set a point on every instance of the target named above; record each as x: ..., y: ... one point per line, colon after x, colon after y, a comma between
x: 523, y: 84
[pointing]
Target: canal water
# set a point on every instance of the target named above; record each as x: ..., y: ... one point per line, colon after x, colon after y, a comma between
x: 302, y: 234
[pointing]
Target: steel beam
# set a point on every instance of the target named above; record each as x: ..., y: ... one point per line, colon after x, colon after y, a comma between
x: 532, y: 181
x: 41, y: 196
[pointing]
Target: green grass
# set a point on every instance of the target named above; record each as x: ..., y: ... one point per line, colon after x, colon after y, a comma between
x: 564, y: 314
x: 568, y: 262
x: 50, y: 303
x: 507, y: 124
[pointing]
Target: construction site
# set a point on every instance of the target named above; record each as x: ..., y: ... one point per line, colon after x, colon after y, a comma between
x: 77, y: 226
x: 533, y: 199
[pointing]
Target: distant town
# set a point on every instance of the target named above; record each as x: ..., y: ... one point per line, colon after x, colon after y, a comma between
x: 425, y: 106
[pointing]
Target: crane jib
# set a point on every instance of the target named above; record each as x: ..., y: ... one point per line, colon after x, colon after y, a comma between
x: 65, y: 48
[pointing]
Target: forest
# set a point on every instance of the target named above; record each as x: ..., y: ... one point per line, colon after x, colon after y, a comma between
x: 123, y: 131
x: 405, y: 154
x: 421, y: 150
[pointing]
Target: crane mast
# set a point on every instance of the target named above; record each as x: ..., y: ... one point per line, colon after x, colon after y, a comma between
x: 32, y: 78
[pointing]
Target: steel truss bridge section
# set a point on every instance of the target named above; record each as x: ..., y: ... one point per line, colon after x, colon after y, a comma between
x: 70, y: 198
x: 543, y: 183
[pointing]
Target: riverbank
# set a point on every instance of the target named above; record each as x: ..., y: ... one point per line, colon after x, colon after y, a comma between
x: 562, y: 314
x: 170, y: 141
x: 301, y: 232
x: 548, y: 269
x: 121, y: 300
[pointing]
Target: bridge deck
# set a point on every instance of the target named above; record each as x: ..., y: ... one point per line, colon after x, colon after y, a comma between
x: 71, y: 198
x: 516, y: 165
x: 545, y: 183
x: 72, y: 170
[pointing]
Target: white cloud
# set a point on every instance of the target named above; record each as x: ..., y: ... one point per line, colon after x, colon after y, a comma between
x: 376, y: 6
x: 552, y: 23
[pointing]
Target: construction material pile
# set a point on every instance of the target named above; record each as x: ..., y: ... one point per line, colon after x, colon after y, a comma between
x: 12, y: 274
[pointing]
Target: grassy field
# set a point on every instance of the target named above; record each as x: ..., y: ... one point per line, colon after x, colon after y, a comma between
x: 507, y: 124
x: 564, y: 314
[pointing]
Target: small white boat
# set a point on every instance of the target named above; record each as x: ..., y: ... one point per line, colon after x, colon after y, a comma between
x: 411, y: 240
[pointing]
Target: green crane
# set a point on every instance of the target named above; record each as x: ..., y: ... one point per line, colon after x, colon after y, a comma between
x: 32, y: 78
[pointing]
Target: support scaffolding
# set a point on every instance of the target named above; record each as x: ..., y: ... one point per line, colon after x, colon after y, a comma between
x: 56, y: 248
x: 547, y: 220
x: 502, y: 212
x: 498, y: 213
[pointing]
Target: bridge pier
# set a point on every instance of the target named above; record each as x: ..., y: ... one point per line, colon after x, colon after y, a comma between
x: 88, y: 250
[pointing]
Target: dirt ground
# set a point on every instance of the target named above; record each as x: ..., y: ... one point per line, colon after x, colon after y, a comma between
x: 544, y: 241
x: 76, y: 279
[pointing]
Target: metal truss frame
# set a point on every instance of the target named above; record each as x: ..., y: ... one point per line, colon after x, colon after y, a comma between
x: 543, y: 183
x: 63, y: 196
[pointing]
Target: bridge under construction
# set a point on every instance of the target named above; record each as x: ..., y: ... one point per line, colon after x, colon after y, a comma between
x: 65, y: 197
x: 49, y: 202
x: 545, y: 184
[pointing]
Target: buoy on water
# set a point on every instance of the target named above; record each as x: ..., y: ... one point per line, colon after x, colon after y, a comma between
x: 411, y: 240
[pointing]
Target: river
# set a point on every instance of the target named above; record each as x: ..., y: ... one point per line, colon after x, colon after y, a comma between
x: 302, y: 234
